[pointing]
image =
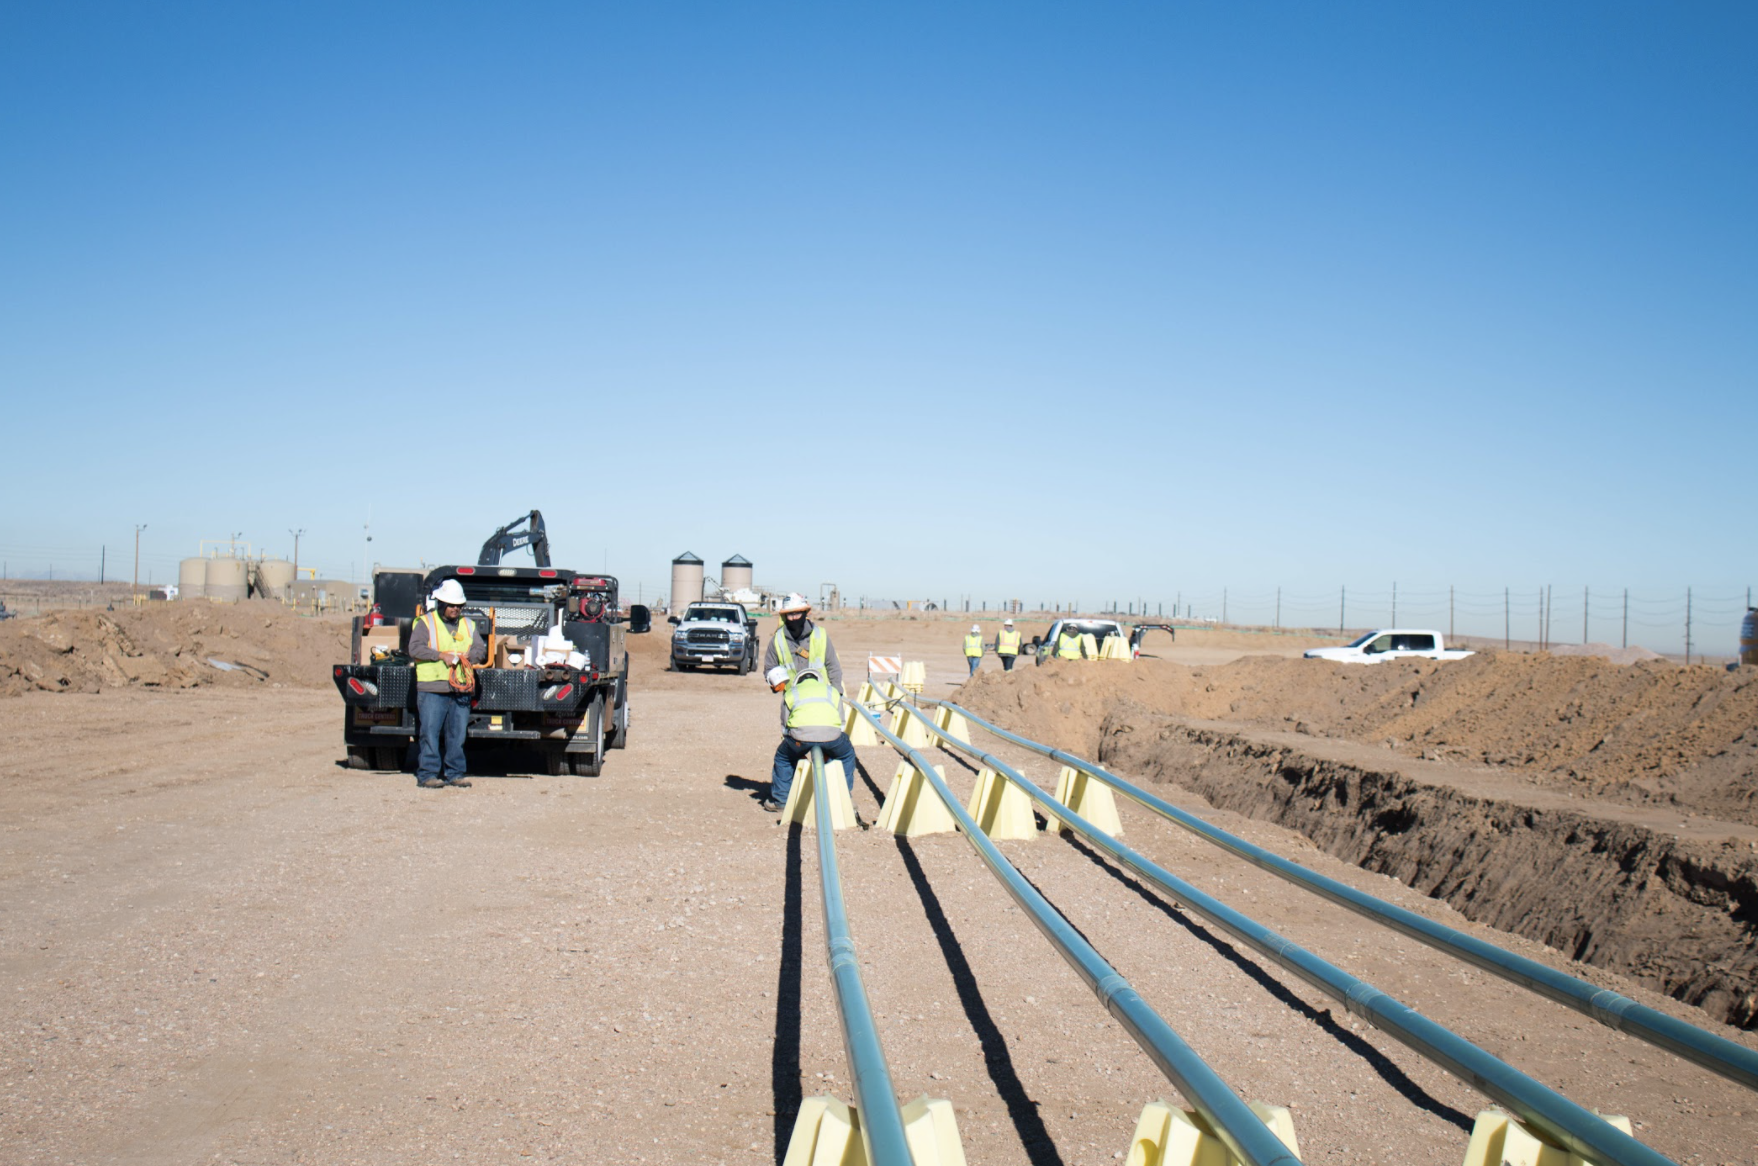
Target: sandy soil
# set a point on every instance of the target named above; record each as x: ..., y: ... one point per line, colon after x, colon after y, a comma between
x: 218, y: 945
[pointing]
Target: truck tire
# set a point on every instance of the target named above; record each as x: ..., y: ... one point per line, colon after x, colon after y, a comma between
x: 619, y: 723
x: 386, y: 759
x: 357, y: 758
x: 590, y: 764
x: 745, y: 664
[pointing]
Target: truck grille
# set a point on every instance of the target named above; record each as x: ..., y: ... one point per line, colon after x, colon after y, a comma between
x: 706, y: 636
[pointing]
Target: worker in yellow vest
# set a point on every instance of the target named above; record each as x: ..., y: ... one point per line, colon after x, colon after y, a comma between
x: 973, y: 647
x: 444, y: 644
x: 801, y: 664
x: 1007, y: 646
x: 1068, y: 643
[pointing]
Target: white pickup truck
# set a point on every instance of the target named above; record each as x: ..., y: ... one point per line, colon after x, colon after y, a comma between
x: 1391, y: 644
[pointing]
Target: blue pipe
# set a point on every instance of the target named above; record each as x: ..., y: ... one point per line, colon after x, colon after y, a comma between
x: 881, y: 1124
x: 1536, y: 1104
x: 1232, y: 1120
x: 1718, y: 1054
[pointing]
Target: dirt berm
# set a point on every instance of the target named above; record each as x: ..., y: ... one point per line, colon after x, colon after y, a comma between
x: 1532, y: 794
x: 170, y: 645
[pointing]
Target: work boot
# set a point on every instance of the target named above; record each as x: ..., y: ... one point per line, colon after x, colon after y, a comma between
x: 770, y: 805
x: 458, y: 782
x: 431, y: 783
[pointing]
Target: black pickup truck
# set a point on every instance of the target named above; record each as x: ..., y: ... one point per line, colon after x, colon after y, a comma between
x: 567, y: 706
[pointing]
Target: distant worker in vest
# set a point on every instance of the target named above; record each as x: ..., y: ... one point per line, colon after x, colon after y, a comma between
x: 801, y: 664
x: 1068, y: 643
x: 443, y: 644
x: 973, y: 647
x: 1007, y: 646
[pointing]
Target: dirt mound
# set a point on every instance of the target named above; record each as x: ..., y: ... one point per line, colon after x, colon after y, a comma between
x: 1605, y: 652
x: 1640, y: 733
x: 170, y: 646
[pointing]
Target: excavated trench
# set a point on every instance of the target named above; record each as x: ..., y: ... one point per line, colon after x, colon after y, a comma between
x: 1678, y: 916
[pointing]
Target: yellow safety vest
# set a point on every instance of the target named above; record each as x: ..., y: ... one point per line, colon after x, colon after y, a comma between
x: 1068, y: 646
x: 815, y: 648
x: 813, y: 704
x: 973, y: 644
x: 442, y: 641
x: 1007, y: 644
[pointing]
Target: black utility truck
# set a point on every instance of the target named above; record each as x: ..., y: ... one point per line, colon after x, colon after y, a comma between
x: 556, y: 682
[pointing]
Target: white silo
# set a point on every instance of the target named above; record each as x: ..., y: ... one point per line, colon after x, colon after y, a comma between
x: 686, y: 581
x: 735, y: 574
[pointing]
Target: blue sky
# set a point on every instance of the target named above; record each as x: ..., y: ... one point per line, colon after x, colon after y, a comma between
x: 1047, y: 301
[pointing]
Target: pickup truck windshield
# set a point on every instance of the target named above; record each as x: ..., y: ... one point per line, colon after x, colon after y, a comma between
x: 1359, y: 642
x: 717, y: 614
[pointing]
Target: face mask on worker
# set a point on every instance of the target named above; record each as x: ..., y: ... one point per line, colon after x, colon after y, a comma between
x: 796, y: 622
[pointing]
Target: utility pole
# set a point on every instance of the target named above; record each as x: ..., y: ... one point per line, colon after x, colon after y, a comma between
x: 1278, y: 609
x: 103, y: 554
x: 134, y: 587
x: 1342, y: 608
x: 1626, y: 617
x: 366, y: 549
x: 1586, y: 595
x: 1449, y: 611
x: 1223, y: 605
x: 1394, y: 603
x: 1687, y: 626
x: 296, y: 534
x: 1507, y: 620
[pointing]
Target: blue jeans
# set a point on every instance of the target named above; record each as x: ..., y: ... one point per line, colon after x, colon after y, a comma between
x: 1007, y: 663
x: 791, y: 752
x: 974, y: 661
x: 444, y: 718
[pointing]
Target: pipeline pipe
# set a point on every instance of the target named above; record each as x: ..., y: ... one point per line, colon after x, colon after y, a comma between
x: 1244, y: 1133
x: 1715, y: 1053
x: 881, y: 1124
x: 1536, y: 1104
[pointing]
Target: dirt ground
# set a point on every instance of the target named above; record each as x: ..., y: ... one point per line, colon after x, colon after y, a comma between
x: 219, y: 945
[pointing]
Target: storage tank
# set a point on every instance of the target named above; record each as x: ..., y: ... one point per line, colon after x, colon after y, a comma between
x: 1749, y: 639
x: 686, y: 581
x: 228, y: 579
x: 192, y: 578
x: 735, y: 574
x: 274, y: 579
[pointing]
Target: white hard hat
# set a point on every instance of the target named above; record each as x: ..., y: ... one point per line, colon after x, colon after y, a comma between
x: 976, y: 627
x: 449, y: 592
x: 777, y: 676
x: 795, y: 602
x: 1007, y: 622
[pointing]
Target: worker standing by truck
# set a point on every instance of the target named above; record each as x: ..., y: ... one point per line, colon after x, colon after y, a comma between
x: 444, y: 644
x: 1007, y: 646
x: 1068, y: 644
x: 801, y: 663
x: 973, y: 647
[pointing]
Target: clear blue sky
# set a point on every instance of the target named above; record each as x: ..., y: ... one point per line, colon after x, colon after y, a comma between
x: 1048, y: 301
